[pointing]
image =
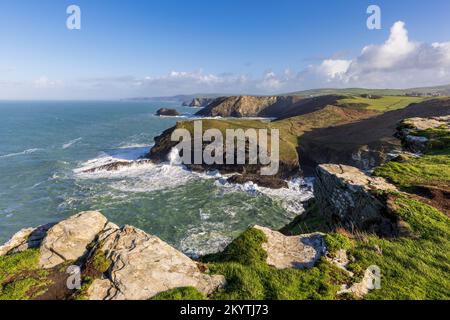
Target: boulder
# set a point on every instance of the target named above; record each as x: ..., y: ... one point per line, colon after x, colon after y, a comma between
x: 167, y: 112
x: 298, y: 252
x: 348, y: 197
x: 143, y: 266
x: 69, y: 239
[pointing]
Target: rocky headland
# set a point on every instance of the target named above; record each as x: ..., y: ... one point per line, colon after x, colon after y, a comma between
x: 198, y: 102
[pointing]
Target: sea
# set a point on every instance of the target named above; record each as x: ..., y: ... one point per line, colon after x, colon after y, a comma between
x: 45, y: 147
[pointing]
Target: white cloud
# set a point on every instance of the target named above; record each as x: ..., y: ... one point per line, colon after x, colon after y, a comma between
x: 401, y: 62
x: 45, y: 83
x: 334, y: 69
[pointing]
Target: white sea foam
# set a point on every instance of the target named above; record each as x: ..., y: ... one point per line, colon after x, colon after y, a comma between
x: 144, y: 176
x: 291, y: 199
x: 25, y: 152
x: 71, y: 143
x: 138, y: 176
x: 205, y: 238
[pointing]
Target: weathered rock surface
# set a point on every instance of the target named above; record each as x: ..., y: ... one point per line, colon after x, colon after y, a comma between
x: 298, y: 252
x: 167, y: 112
x: 143, y: 266
x: 29, y: 238
x: 139, y: 265
x: 17, y: 241
x: 347, y: 197
x: 69, y: 239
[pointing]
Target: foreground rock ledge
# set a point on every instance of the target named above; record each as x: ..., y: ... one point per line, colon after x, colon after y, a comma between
x: 299, y: 252
x: 348, y: 198
x: 141, y: 266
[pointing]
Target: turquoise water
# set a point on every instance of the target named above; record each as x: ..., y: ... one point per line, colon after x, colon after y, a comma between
x: 44, y: 146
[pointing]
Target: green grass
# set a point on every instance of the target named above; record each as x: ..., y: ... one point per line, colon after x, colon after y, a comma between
x: 100, y: 262
x: 186, y: 293
x: 336, y: 241
x: 411, y: 268
x: 248, y: 276
x: 17, y: 263
x: 383, y: 104
x: 430, y: 170
x: 20, y: 278
x: 381, y: 92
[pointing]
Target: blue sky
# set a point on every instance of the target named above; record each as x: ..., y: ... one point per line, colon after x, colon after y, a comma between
x: 142, y: 47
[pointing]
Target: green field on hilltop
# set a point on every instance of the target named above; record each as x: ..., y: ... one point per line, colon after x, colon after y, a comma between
x: 382, y: 104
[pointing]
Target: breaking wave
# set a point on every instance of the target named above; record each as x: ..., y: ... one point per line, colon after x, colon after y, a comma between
x: 25, y: 152
x: 71, y: 143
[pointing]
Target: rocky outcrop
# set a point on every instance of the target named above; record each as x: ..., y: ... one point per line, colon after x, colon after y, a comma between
x: 200, y: 102
x: 135, y: 265
x: 262, y: 181
x: 117, y: 165
x: 299, y: 252
x: 143, y: 265
x: 28, y: 238
x: 349, y: 198
x: 410, y: 131
x: 68, y: 240
x: 167, y: 112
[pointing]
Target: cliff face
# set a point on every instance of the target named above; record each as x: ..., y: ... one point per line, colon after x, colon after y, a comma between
x: 280, y: 107
x: 348, y: 198
x: 238, y: 106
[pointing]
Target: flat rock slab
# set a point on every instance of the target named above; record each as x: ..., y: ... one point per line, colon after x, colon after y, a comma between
x: 69, y: 239
x: 298, y: 252
x: 143, y: 266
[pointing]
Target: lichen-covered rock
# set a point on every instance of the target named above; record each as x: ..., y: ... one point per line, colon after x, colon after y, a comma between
x: 143, y: 266
x: 348, y: 197
x: 69, y: 239
x: 298, y: 252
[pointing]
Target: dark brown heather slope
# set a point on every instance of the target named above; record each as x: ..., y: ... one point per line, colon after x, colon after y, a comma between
x: 363, y: 144
x: 298, y: 107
